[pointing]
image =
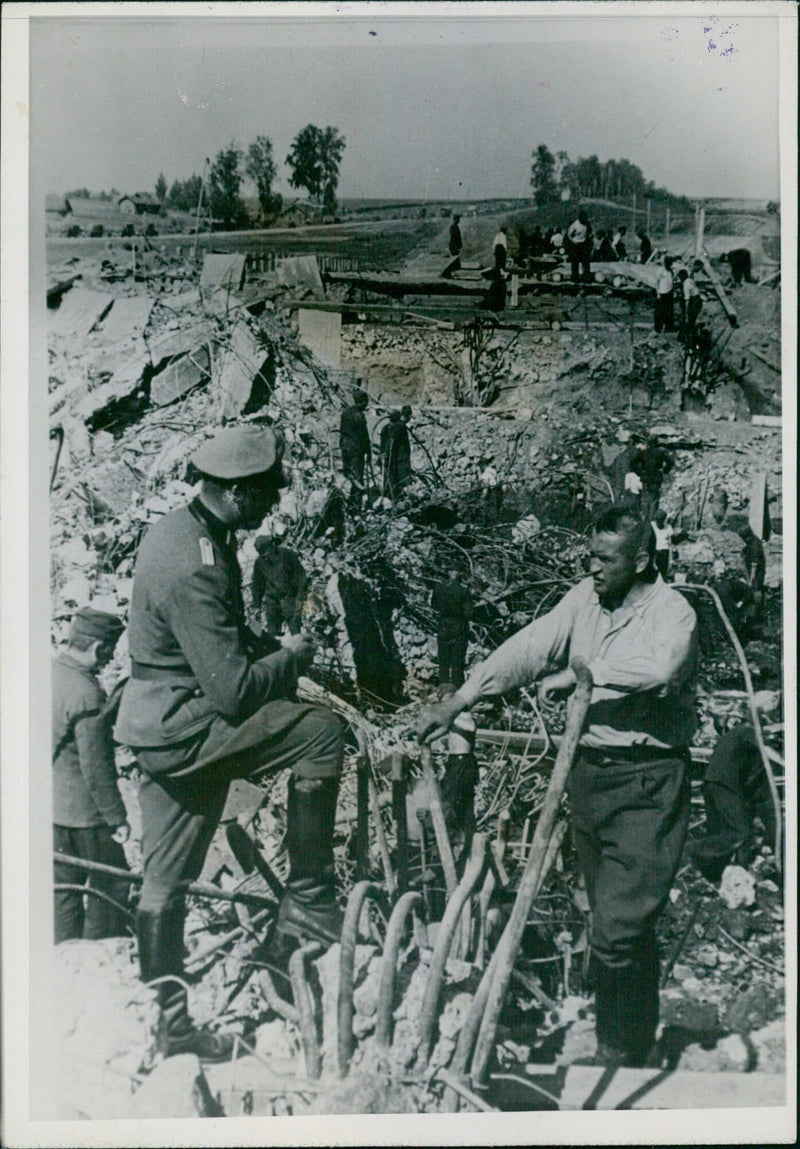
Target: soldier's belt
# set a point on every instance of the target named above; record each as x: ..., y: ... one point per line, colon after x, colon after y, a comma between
x: 145, y: 672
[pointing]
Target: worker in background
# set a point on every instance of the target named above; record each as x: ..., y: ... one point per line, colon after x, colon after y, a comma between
x: 605, y: 252
x: 491, y: 489
x: 741, y: 265
x: 452, y: 602
x: 279, y: 583
x: 579, y: 243
x: 735, y: 793
x: 618, y: 243
x: 664, y: 311
x: 629, y: 788
x: 395, y: 447
x: 355, y: 446
x: 89, y: 817
x: 495, y: 297
x: 500, y: 247
x: 209, y: 701
x: 652, y: 463
x: 645, y: 247
x: 692, y: 306
x: 454, y: 246
x: 662, y: 534
x: 555, y: 241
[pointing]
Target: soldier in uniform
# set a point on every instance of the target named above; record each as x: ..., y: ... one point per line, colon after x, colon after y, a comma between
x: 206, y: 703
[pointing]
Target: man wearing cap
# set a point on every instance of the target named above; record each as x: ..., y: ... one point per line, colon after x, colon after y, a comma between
x: 89, y: 818
x: 207, y: 703
x: 355, y: 446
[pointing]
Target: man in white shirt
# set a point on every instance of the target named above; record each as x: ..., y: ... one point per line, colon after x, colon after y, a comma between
x: 664, y: 311
x: 500, y: 245
x: 579, y: 246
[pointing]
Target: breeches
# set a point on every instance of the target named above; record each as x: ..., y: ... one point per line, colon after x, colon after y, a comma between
x: 630, y: 821
x: 452, y: 656
x: 182, y: 805
x: 99, y: 919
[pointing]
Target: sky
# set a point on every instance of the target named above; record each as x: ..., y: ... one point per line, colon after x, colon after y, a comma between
x: 429, y: 108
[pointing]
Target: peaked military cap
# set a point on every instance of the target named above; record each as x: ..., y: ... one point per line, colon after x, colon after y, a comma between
x: 95, y: 624
x: 239, y: 452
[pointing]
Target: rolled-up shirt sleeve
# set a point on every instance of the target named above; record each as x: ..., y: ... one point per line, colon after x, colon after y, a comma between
x: 540, y: 646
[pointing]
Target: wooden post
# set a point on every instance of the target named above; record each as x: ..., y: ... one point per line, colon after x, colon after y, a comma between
x: 699, y: 232
x: 515, y: 291
x: 648, y: 216
x: 666, y: 227
x: 633, y: 219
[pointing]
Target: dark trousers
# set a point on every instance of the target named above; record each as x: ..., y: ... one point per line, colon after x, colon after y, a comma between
x: 664, y: 312
x: 735, y: 791
x: 353, y: 469
x: 662, y: 563
x: 630, y: 820
x: 580, y: 261
x: 95, y: 918
x: 500, y: 255
x: 280, y: 611
x: 182, y: 804
x: 454, y: 265
x: 452, y: 657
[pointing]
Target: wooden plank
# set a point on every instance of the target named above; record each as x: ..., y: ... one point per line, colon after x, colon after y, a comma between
x: 730, y: 311
x: 765, y: 420
x: 758, y: 515
x: 226, y: 271
x: 518, y: 739
x: 179, y: 377
x: 591, y: 1087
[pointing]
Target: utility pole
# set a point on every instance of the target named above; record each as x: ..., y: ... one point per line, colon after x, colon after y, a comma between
x: 700, y: 232
x: 648, y: 215
x: 199, y: 205
x: 633, y: 220
x: 666, y: 227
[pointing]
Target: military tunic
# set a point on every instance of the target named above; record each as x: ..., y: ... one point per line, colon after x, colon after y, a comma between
x: 204, y: 704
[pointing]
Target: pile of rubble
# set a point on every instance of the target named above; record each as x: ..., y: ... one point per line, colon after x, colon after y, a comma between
x: 136, y: 382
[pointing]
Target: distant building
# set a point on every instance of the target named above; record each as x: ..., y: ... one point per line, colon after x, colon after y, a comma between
x: 141, y: 204
x: 298, y: 213
x: 58, y: 204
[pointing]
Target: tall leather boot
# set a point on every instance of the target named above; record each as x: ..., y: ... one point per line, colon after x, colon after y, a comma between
x: 644, y: 1005
x: 308, y: 908
x: 161, y: 957
x: 611, y: 1004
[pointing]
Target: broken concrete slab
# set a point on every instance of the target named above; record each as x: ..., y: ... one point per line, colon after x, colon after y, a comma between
x: 178, y: 342
x: 240, y: 365
x: 121, y: 384
x: 301, y: 271
x: 176, y: 1088
x: 127, y: 318
x: 80, y: 310
x: 180, y: 377
x: 222, y: 271
x: 321, y: 332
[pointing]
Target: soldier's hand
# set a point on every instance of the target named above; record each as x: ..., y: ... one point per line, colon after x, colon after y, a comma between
x: 121, y: 833
x: 303, y: 650
x: 435, y: 721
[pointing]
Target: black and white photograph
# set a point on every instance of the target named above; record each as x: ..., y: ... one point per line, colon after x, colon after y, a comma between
x: 399, y: 600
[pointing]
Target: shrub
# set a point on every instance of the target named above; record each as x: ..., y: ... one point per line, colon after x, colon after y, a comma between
x: 128, y: 230
x: 72, y: 231
x: 97, y: 231
x: 151, y: 229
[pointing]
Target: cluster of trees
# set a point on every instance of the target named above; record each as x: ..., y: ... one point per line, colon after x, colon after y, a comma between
x: 314, y: 162
x: 555, y: 177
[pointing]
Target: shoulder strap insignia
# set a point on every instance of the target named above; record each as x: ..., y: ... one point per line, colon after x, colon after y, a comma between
x: 206, y: 552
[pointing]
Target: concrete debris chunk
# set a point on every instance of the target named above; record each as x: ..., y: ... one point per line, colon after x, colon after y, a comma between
x: 121, y: 384
x: 225, y: 271
x: 127, y: 319
x: 175, y: 1088
x: 179, y: 377
x: 239, y: 367
x: 80, y: 310
x: 321, y: 332
x: 174, y: 343
x: 301, y: 271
